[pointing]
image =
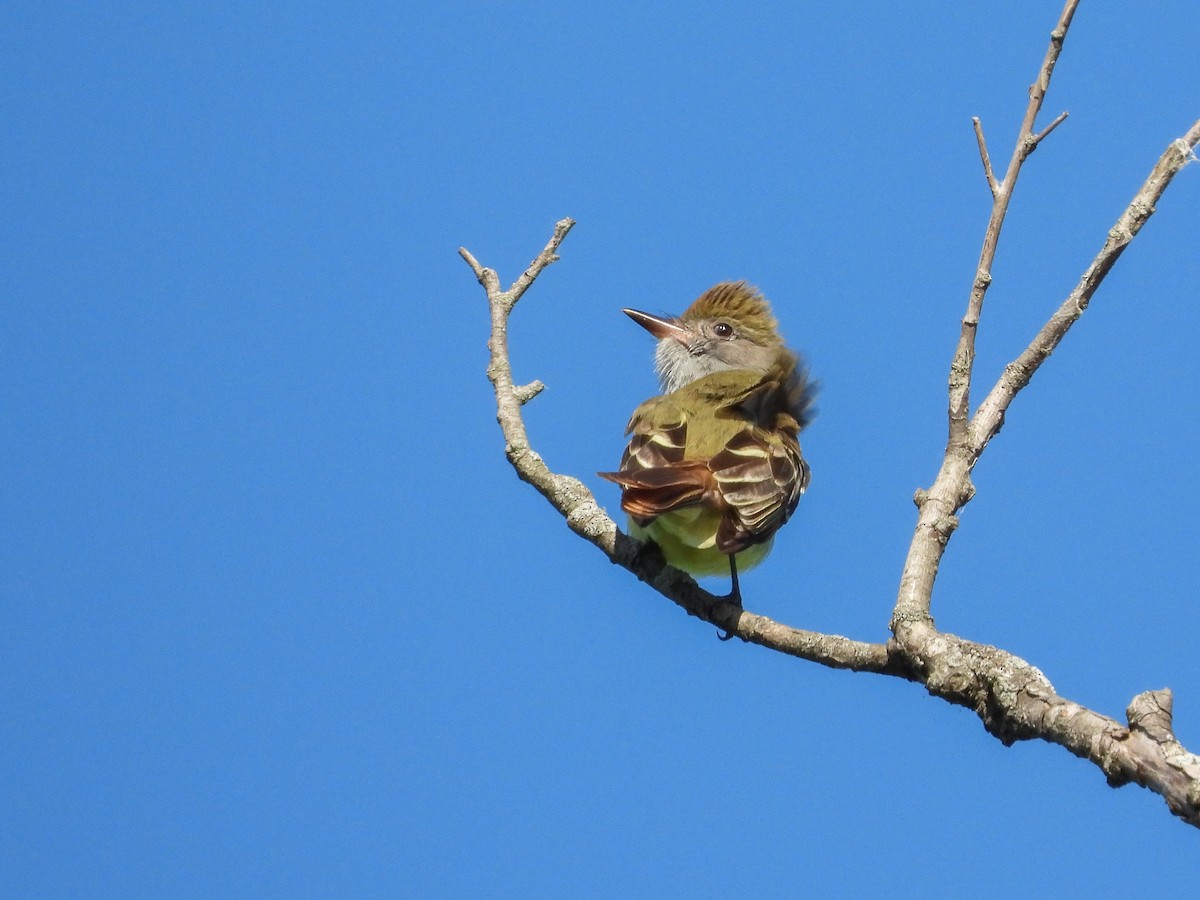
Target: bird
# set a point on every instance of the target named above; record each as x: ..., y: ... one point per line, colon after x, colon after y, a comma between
x: 713, y: 467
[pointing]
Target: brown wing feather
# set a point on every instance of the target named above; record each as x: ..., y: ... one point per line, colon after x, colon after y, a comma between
x: 650, y: 493
x: 653, y: 449
x: 760, y: 476
x: 654, y: 477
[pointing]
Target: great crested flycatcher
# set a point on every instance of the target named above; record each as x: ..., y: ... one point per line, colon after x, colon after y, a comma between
x: 713, y: 467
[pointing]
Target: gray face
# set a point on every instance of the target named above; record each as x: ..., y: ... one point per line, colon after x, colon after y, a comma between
x: 706, y: 351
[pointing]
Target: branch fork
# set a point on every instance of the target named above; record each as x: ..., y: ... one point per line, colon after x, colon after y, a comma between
x: 1012, y: 698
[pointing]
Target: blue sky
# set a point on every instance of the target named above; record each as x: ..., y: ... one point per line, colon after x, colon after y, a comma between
x: 276, y: 617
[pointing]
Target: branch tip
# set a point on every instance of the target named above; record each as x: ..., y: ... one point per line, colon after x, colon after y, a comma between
x: 983, y: 154
x: 1041, y: 135
x: 526, y: 392
x: 471, y: 261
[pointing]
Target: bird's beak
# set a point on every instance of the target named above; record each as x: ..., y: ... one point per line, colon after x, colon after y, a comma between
x: 660, y: 326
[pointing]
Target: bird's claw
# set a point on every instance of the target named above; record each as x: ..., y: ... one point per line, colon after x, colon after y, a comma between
x: 736, y: 600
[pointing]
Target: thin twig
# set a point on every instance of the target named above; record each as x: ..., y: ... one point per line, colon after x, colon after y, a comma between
x: 987, y: 160
x: 964, y: 355
x: 990, y: 415
x: 1037, y: 138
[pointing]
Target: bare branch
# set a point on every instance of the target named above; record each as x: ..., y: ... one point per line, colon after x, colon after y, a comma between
x: 487, y: 277
x: 990, y: 415
x: 987, y: 160
x: 1157, y: 759
x: 1016, y: 702
x: 1037, y: 138
x: 952, y: 488
x: 548, y: 255
x: 1012, y: 698
x: 964, y: 355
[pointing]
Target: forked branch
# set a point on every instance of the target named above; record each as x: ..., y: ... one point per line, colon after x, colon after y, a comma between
x: 990, y: 415
x: 962, y: 366
x: 1013, y: 699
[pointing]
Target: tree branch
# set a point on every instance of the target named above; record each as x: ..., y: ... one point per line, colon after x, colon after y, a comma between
x: 1037, y: 138
x: 993, y: 185
x: 1012, y: 698
x: 989, y: 417
x: 964, y: 355
x: 952, y: 489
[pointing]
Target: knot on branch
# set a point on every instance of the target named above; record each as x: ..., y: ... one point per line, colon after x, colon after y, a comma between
x: 940, y: 519
x: 1017, y: 374
x: 942, y: 526
x: 968, y: 493
x: 1151, y: 713
x: 1007, y: 693
x: 1154, y: 757
x: 1140, y: 211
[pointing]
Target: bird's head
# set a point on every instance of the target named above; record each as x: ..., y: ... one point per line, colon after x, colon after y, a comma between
x: 729, y: 326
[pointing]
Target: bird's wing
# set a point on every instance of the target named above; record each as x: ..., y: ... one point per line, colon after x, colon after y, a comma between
x: 650, y: 493
x: 654, y: 476
x: 760, y: 476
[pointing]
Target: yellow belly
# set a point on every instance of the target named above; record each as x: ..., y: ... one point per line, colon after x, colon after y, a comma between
x: 688, y: 540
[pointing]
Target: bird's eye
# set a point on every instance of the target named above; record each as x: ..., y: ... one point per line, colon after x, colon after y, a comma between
x: 723, y: 330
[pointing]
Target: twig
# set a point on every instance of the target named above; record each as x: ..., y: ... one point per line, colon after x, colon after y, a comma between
x: 1037, y: 138
x: 964, y: 355
x: 952, y: 488
x: 990, y: 416
x: 987, y: 160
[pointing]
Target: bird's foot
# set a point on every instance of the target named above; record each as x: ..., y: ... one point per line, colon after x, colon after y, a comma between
x: 735, y: 597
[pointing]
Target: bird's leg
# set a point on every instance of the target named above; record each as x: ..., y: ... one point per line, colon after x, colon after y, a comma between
x: 735, y: 594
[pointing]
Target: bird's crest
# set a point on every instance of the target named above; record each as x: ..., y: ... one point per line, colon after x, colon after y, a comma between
x: 741, y: 302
